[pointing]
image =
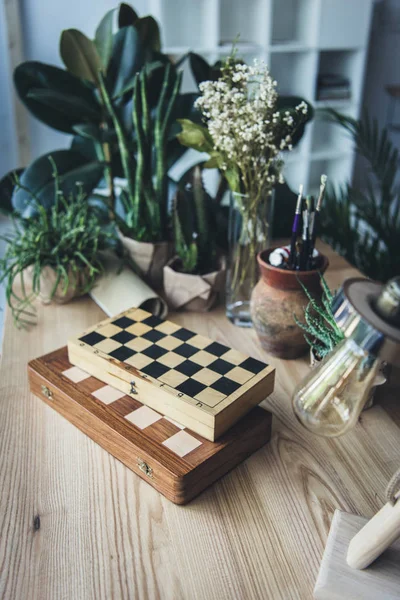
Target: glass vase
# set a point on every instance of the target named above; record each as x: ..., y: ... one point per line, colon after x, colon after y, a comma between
x: 249, y: 233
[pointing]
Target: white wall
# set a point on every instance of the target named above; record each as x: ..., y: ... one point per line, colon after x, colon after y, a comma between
x: 8, y: 150
x: 42, y: 22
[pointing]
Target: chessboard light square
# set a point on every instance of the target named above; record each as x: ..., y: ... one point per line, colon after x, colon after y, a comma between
x: 203, y: 358
x: 173, y: 378
x: 234, y: 356
x: 171, y: 360
x: 182, y: 443
x: 139, y: 361
x: 138, y: 344
x: 169, y: 343
x: 75, y: 374
x: 210, y: 397
x: 167, y: 327
x: 143, y: 417
x: 138, y: 329
x: 139, y: 315
x: 206, y: 376
x: 107, y: 394
x: 109, y: 330
x: 107, y: 345
x: 200, y: 342
x: 239, y: 375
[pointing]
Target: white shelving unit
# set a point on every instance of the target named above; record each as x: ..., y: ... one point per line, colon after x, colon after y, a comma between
x: 298, y: 39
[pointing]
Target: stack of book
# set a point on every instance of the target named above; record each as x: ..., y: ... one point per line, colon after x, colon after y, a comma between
x: 333, y: 87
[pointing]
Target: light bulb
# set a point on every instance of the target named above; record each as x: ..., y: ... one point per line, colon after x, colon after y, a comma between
x: 330, y: 399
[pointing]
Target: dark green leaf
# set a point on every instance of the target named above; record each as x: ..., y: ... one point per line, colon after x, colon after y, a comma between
x: 149, y: 33
x: 104, y: 37
x: 38, y: 178
x: 200, y: 68
x: 126, y: 15
x: 76, y: 108
x: 289, y: 103
x: 34, y: 75
x: 125, y: 61
x: 80, y: 55
x: 7, y: 184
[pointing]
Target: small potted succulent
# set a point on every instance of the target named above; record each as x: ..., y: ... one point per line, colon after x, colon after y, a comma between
x: 194, y: 278
x: 55, y: 253
x: 321, y: 331
x: 322, y: 334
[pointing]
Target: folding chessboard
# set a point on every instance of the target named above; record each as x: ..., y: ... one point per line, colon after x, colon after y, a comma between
x: 203, y: 384
x: 178, y: 462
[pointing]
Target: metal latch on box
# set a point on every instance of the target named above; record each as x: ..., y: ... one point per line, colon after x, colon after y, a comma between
x: 144, y: 467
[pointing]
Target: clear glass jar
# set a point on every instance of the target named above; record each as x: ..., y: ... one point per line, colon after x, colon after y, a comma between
x: 249, y: 234
x: 330, y: 399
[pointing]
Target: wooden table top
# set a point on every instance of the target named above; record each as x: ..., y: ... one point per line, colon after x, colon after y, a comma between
x: 76, y: 524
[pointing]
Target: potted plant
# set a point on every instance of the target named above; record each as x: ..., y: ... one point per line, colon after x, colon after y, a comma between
x: 194, y: 278
x: 58, y: 249
x: 146, y: 220
x: 321, y: 331
x: 244, y: 131
x: 322, y: 334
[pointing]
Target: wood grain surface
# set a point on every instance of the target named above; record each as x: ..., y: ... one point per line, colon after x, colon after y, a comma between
x: 76, y: 524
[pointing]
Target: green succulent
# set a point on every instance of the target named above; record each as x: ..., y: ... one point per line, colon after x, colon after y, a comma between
x: 68, y: 237
x: 321, y: 330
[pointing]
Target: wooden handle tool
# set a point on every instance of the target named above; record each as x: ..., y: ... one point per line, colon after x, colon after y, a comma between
x: 379, y: 533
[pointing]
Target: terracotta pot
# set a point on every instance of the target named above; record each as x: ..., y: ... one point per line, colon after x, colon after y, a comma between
x: 149, y: 258
x: 197, y: 293
x: 276, y: 298
x: 48, y: 279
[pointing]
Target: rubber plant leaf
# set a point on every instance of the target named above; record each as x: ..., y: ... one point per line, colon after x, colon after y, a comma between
x: 7, y: 185
x: 77, y: 108
x: 33, y: 75
x: 80, y: 55
x: 125, y: 61
x: 114, y: 19
x: 149, y: 33
x: 38, y: 179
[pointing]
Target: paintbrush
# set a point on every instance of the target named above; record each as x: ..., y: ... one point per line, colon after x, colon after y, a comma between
x: 316, y: 217
x: 295, y: 228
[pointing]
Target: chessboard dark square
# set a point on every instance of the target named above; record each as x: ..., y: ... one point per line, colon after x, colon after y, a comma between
x: 186, y: 350
x: 123, y: 337
x: 122, y: 353
x: 155, y: 369
x: 253, y: 365
x: 183, y: 334
x: 154, y: 351
x: 188, y: 367
x: 225, y: 386
x: 123, y: 322
x: 92, y: 338
x: 153, y: 335
x: 191, y: 387
x: 216, y: 348
x: 221, y: 366
x: 152, y: 321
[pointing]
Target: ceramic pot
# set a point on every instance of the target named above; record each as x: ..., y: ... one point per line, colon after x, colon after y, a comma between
x: 149, y: 258
x: 197, y: 293
x: 276, y: 298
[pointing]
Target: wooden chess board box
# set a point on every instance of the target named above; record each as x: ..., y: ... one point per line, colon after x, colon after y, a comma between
x: 178, y: 462
x: 200, y: 383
